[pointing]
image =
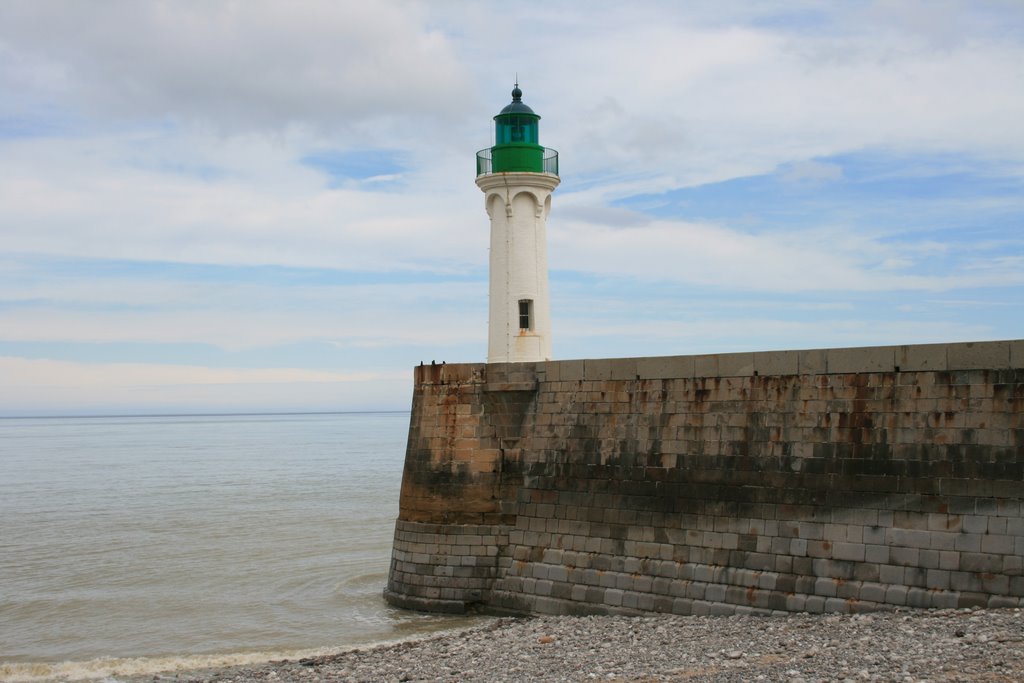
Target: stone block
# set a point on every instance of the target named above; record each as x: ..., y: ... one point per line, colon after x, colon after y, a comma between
x: 665, y: 367
x: 701, y: 608
x: 873, y: 592
x: 661, y: 585
x: 570, y: 370
x: 551, y: 370
x: 623, y: 369
x: 978, y: 355
x: 834, y: 605
x: 940, y: 540
x: 997, y: 544
x: 546, y: 605
x: 980, y: 562
x: 910, y: 538
x: 705, y: 366
x: 1002, y: 601
x: 552, y: 556
x: 704, y: 573
x: 1017, y: 354
x: 907, y: 557
x: 558, y: 573
x: 595, y: 595
x: 929, y: 559
x: 777, y: 362
x: 848, y: 551
x: 825, y: 586
x: 890, y: 574
x: 804, y: 583
x: 874, y: 534
x: 896, y: 595
x: 921, y: 357
x: 812, y: 362
x: 862, y: 359
x: 919, y: 598
x: 597, y: 369
x: 878, y: 554
x: 814, y: 604
x: 682, y: 606
x: 719, y: 609
x: 819, y: 549
x: 964, y: 581
x: 937, y: 579
x: 735, y: 364
x: 969, y: 543
x: 967, y: 600
x: 714, y: 592
x: 695, y: 589
x: 949, y: 559
x: 997, y: 584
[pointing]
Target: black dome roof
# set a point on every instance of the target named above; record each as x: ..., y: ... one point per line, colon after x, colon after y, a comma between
x: 517, y: 106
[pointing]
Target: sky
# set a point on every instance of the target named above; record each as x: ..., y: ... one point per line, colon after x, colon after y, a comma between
x: 223, y: 206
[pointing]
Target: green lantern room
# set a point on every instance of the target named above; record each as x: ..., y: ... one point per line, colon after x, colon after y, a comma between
x: 517, y: 148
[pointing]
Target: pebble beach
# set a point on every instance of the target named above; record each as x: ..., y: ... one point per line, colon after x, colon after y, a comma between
x: 910, y: 646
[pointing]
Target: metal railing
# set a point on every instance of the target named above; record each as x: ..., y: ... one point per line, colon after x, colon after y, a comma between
x: 549, y: 162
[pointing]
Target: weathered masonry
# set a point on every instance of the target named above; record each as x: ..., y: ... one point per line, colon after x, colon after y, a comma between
x: 822, y: 480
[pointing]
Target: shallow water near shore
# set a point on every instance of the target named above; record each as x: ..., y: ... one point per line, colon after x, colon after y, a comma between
x: 136, y: 544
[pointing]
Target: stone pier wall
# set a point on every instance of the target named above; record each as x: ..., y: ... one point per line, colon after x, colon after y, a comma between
x: 821, y: 480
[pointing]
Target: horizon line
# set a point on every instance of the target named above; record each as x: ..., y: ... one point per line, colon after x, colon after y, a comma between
x: 234, y: 414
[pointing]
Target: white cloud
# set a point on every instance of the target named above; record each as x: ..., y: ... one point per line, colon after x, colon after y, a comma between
x: 330, y: 64
x: 812, y: 171
x: 235, y: 316
x: 63, y: 198
x: 717, y: 256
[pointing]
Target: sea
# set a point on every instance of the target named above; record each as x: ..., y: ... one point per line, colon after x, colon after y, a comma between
x: 135, y: 545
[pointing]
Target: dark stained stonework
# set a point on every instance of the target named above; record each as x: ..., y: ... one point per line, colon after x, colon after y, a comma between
x: 820, y: 480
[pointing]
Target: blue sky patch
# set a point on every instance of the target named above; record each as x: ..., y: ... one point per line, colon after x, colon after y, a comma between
x: 908, y: 193
x: 341, y: 166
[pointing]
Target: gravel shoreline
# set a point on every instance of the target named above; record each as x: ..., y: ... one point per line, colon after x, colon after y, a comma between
x: 936, y: 645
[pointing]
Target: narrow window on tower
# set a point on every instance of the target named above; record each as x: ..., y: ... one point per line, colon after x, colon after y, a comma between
x: 526, y: 314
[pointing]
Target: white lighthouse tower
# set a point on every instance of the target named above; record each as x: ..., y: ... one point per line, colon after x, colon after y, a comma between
x: 517, y: 177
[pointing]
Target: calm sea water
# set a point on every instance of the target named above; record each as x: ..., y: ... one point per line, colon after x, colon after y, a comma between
x: 136, y: 544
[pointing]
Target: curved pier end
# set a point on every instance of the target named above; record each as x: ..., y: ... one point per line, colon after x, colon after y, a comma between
x: 461, y: 478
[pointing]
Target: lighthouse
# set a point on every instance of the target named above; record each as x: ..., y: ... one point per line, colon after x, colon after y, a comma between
x: 517, y: 177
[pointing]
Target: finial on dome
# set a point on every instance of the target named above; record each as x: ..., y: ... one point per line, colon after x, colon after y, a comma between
x: 517, y: 94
